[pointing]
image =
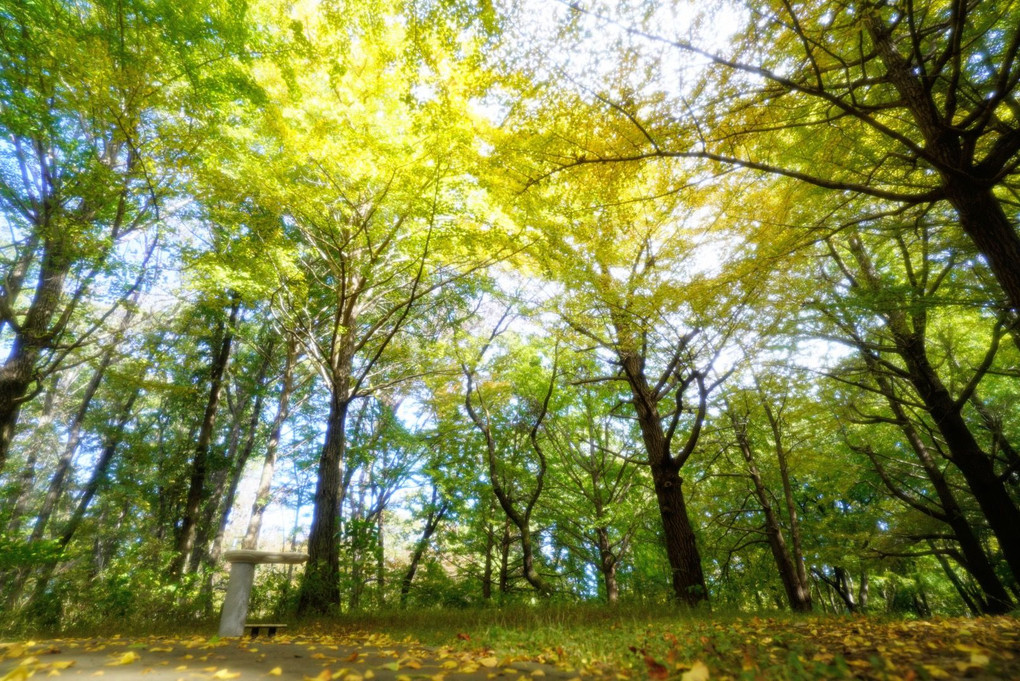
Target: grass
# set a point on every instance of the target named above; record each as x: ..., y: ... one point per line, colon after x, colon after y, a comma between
x: 663, y: 642
x: 657, y: 641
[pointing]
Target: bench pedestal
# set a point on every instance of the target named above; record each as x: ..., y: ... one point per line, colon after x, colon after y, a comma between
x: 242, y: 576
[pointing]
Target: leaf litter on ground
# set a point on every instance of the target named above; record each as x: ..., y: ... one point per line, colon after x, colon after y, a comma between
x: 682, y: 648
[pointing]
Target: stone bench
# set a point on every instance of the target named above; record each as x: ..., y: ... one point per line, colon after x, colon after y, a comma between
x: 242, y: 576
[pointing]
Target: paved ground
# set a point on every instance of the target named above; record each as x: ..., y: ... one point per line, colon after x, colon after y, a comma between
x: 283, y: 657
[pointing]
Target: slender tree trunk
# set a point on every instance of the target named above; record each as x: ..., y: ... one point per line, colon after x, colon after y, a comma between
x: 222, y: 500
x: 504, y: 559
x: 196, y: 489
x: 27, y: 478
x: 432, y: 522
x: 56, y: 486
x: 797, y: 594
x: 487, y: 570
x: 966, y: 454
x: 607, y: 565
x: 96, y: 480
x: 974, y: 558
x: 258, y: 507
x: 797, y: 553
x: 975, y: 607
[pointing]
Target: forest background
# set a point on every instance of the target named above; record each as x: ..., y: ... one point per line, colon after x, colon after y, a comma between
x: 624, y: 301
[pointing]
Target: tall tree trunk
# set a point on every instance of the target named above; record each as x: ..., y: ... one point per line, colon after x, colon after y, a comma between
x: 258, y: 507
x: 908, y: 334
x: 27, y: 478
x: 56, y: 486
x: 221, y: 500
x: 974, y: 558
x: 798, y: 594
x: 199, y: 465
x: 607, y: 565
x: 34, y: 336
x: 506, y: 541
x: 966, y: 454
x: 797, y: 553
x: 687, y: 578
x: 96, y: 480
x: 320, y: 587
x: 437, y: 511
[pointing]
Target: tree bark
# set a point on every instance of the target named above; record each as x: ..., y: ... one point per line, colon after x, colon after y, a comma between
x: 320, y: 586
x: 686, y: 576
x: 798, y: 594
x: 607, y: 565
x: 437, y: 511
x: 262, y: 497
x: 196, y: 489
x: 34, y: 336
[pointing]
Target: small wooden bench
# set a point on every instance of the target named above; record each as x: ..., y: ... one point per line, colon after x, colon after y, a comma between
x: 242, y: 576
x: 269, y: 629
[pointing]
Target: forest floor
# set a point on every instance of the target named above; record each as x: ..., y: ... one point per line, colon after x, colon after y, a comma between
x: 605, y: 645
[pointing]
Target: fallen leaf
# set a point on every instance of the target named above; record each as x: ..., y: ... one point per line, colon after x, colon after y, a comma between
x: 488, y: 662
x: 226, y: 674
x: 698, y: 672
x: 17, y: 674
x: 275, y: 671
x: 655, y: 669
x: 127, y: 658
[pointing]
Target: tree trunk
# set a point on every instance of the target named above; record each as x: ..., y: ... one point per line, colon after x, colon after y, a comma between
x: 687, y: 578
x: 320, y: 586
x: 504, y: 559
x: 258, y: 507
x: 96, y: 480
x: 974, y: 558
x: 196, y: 489
x: 607, y: 565
x: 432, y: 522
x: 966, y: 454
x: 34, y: 336
x: 56, y: 486
x: 798, y: 594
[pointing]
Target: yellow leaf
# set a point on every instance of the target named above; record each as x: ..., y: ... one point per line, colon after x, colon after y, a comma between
x: 369, y: 674
x: 62, y: 664
x: 698, y: 672
x: 180, y: 668
x: 127, y: 658
x: 978, y: 660
x: 15, y: 650
x: 488, y: 662
x: 935, y: 672
x: 449, y: 664
x: 226, y: 674
x: 161, y: 650
x: 324, y: 675
x: 538, y: 672
x: 16, y: 674
x: 275, y: 671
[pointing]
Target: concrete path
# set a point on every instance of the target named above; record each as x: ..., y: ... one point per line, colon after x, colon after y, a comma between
x: 321, y: 658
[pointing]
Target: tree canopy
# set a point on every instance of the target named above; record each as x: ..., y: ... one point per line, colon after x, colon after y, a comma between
x: 486, y: 302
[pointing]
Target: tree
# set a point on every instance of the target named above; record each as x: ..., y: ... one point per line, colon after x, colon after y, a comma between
x: 900, y: 104
x: 88, y: 158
